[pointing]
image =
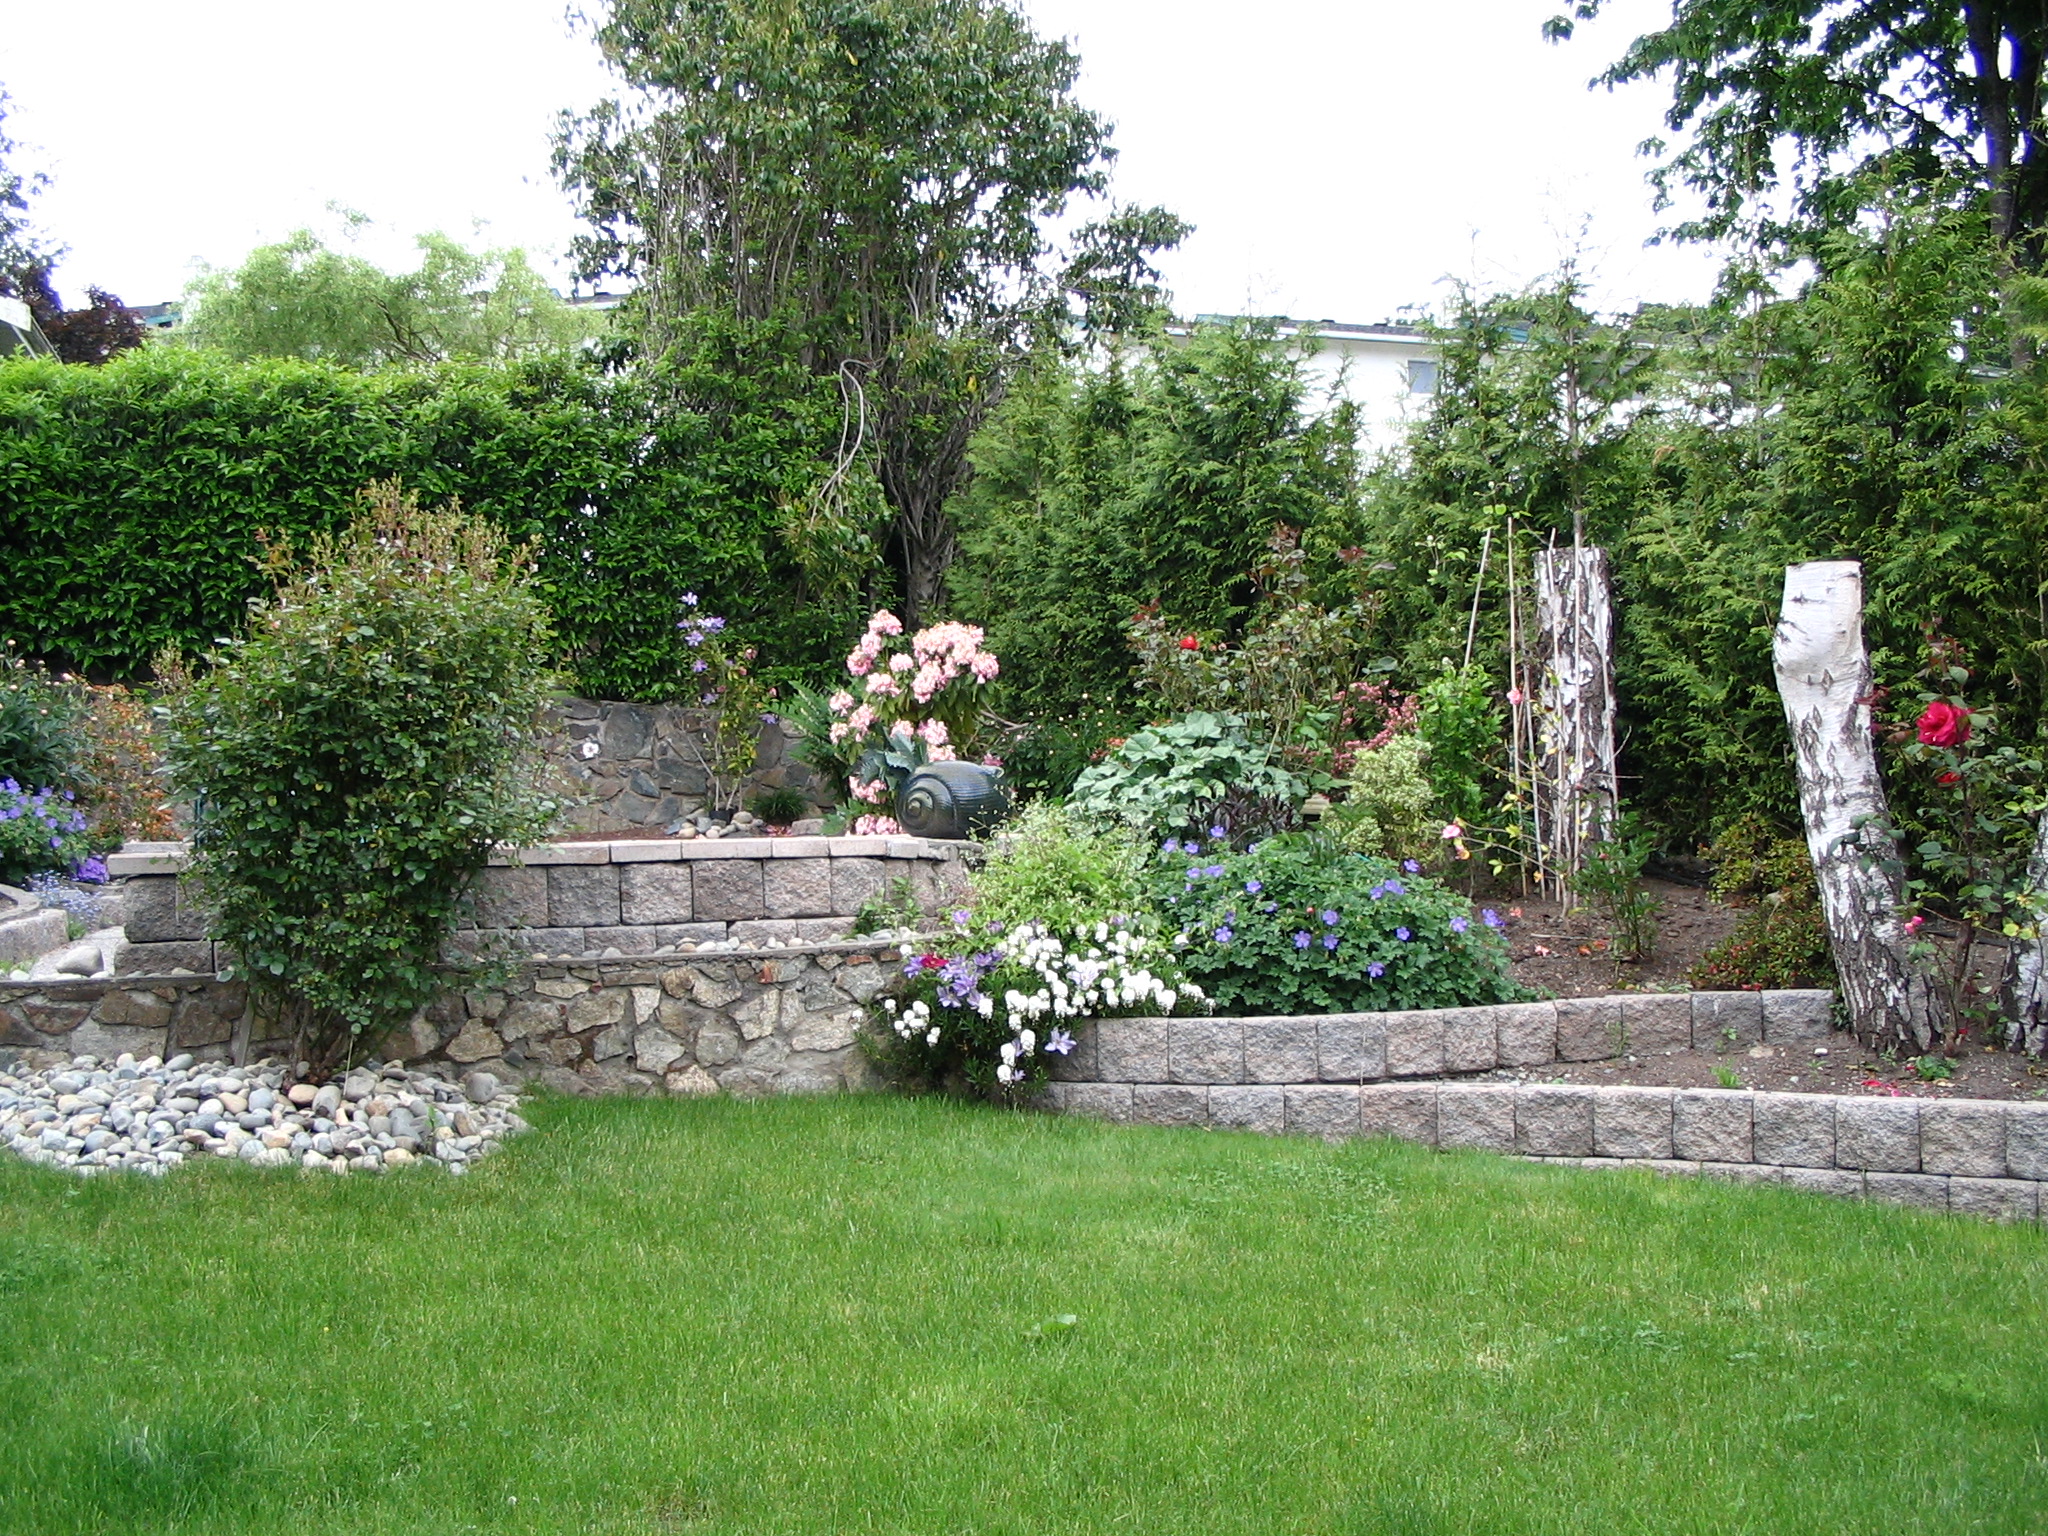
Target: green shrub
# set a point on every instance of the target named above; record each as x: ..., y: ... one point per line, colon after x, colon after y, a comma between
x: 1186, y: 774
x: 1052, y: 864
x: 1781, y: 940
x: 779, y: 807
x: 1612, y: 875
x: 359, y: 753
x: 1298, y: 926
x: 41, y: 724
x: 1388, y: 803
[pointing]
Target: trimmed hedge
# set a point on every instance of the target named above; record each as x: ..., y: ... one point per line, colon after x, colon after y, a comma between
x: 133, y: 497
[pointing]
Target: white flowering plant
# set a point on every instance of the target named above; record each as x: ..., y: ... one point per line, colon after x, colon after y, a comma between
x: 992, y: 1018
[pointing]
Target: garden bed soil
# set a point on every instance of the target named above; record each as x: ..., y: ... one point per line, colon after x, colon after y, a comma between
x: 1847, y: 1068
x: 1572, y: 955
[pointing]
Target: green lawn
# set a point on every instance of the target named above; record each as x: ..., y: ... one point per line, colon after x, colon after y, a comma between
x: 837, y: 1316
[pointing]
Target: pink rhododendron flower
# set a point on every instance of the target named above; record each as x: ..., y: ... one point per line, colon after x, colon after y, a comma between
x: 882, y: 683
x: 876, y: 826
x: 900, y: 663
x: 885, y: 623
x: 861, y: 720
x: 859, y: 664
x: 840, y: 702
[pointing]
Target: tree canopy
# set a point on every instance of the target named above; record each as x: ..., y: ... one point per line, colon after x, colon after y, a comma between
x: 874, y: 178
x: 300, y: 298
x: 1824, y: 99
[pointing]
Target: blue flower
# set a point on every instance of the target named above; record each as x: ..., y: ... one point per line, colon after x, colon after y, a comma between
x: 1191, y: 848
x: 699, y: 664
x: 1218, y: 833
x: 1330, y: 919
x: 1329, y: 941
x: 693, y: 638
x: 1375, y: 970
x: 1377, y: 892
x: 1301, y: 941
x: 1224, y: 935
x: 1411, y: 866
x: 1171, y: 845
x: 1271, y: 906
x: 1059, y: 1042
x: 1403, y: 935
x: 689, y: 599
x: 1460, y: 924
x: 961, y: 916
x: 1490, y: 917
x: 1213, y: 871
x: 1253, y: 887
x: 1396, y: 888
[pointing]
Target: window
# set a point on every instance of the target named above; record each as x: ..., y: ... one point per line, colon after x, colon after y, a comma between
x: 1422, y: 375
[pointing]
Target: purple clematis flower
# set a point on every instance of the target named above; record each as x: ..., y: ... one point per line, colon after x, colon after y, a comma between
x: 1059, y: 1042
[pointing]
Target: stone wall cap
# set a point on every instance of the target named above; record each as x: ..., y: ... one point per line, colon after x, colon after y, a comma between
x: 148, y: 859
x: 645, y: 850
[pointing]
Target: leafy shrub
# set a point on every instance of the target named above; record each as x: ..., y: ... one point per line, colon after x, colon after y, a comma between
x: 121, y: 776
x: 40, y: 740
x: 1044, y: 758
x: 360, y: 752
x: 1181, y: 776
x: 1052, y: 865
x: 1782, y: 939
x: 807, y: 711
x: 1461, y: 723
x: 1612, y: 875
x: 41, y: 831
x: 1388, y: 803
x: 1289, y: 674
x: 1298, y: 926
x: 988, y: 1019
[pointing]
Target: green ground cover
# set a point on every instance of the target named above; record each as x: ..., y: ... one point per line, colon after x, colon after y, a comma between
x: 840, y: 1316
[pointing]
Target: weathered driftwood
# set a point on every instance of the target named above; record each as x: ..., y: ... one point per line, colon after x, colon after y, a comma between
x: 2026, y: 970
x: 1824, y: 680
x: 1575, y: 783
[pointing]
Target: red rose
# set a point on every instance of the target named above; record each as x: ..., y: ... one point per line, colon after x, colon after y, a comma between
x: 1944, y: 725
x: 1190, y: 643
x: 1950, y: 778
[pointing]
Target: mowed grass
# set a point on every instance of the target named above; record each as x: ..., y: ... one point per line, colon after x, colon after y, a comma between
x: 841, y: 1316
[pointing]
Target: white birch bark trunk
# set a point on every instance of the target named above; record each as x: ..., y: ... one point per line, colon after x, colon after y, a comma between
x: 1824, y: 680
x: 2026, y: 972
x: 1576, y: 786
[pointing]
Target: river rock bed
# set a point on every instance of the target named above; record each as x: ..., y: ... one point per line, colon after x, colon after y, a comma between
x: 151, y: 1115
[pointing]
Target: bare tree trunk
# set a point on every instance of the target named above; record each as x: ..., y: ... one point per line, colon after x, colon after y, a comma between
x: 1824, y: 680
x: 1575, y: 782
x: 2026, y: 965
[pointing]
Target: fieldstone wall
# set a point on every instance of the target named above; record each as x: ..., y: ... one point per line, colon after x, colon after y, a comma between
x: 572, y: 900
x: 780, y: 1021
x: 640, y: 763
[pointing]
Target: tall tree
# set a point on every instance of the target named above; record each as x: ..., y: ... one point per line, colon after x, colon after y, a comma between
x: 300, y: 298
x: 1824, y: 98
x: 873, y: 180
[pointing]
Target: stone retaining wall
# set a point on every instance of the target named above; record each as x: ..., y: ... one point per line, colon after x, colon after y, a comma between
x: 643, y: 897
x: 1975, y: 1156
x: 1367, y: 1047
x: 773, y: 1021
x: 28, y: 929
x: 640, y: 763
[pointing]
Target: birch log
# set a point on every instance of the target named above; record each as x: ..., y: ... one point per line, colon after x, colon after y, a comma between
x: 1576, y: 787
x: 1824, y: 680
x: 2026, y: 973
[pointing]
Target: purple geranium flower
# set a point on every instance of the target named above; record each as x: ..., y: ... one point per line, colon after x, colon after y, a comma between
x: 1191, y: 848
x: 1330, y: 919
x: 1411, y: 866
x: 1396, y: 888
x: 1375, y: 970
x: 1218, y: 833
x: 1171, y: 845
x: 1460, y: 924
x: 1253, y: 887
x: 1403, y: 935
x: 1301, y: 941
x: 1224, y: 935
x: 1213, y: 871
x: 1490, y: 917
x: 1329, y: 941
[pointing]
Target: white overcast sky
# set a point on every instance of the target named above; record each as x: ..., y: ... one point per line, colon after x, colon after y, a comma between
x: 1340, y: 158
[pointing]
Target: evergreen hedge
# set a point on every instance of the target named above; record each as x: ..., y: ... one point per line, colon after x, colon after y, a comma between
x: 134, y: 498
